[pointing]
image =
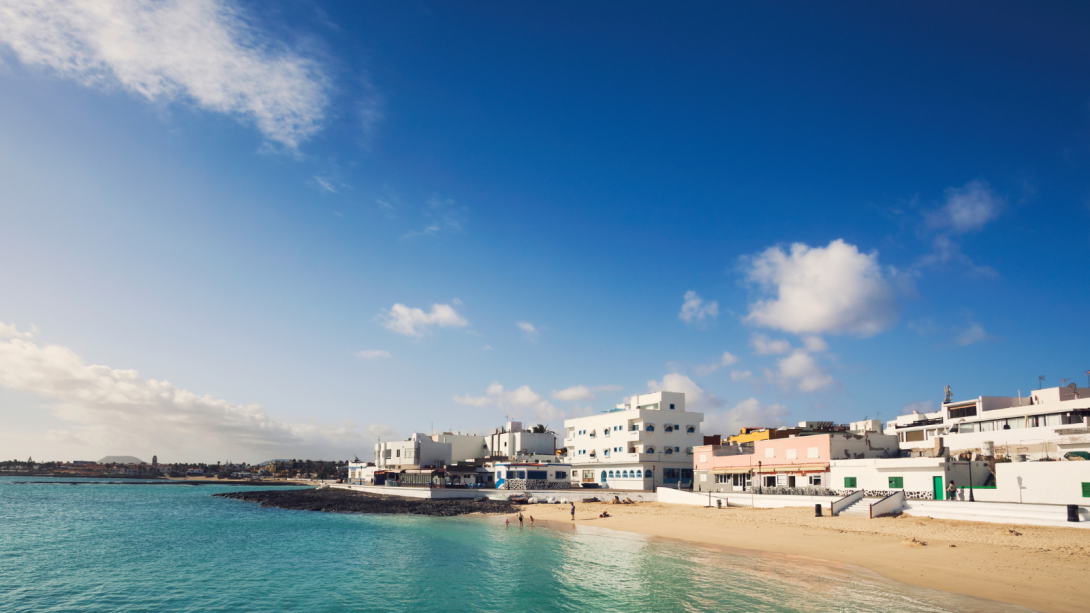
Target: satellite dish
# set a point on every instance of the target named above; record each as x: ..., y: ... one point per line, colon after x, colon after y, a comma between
x: 1072, y: 386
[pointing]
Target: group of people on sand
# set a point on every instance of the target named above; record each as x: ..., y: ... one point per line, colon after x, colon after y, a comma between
x: 604, y: 514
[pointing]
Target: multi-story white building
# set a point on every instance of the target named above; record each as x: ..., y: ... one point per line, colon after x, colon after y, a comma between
x: 434, y: 450
x: 1049, y: 422
x: 512, y: 440
x: 645, y: 442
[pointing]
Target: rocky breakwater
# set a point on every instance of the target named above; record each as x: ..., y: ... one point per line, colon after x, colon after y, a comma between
x: 345, y: 501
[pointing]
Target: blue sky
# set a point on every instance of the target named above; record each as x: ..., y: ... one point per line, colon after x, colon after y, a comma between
x: 322, y: 223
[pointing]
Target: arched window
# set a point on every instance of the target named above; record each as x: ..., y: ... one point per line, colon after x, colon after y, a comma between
x: 669, y: 428
x: 611, y: 474
x: 624, y: 474
x: 650, y: 450
x: 650, y: 428
x: 603, y: 476
x: 649, y: 474
x: 669, y: 450
x: 637, y: 473
x: 690, y: 429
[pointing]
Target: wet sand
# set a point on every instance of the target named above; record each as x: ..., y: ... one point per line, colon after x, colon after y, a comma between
x: 1035, y: 567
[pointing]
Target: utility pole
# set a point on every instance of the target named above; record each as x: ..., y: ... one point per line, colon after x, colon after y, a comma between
x: 1040, y: 381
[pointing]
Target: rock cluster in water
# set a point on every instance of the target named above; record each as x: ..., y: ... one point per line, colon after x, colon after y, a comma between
x: 345, y: 501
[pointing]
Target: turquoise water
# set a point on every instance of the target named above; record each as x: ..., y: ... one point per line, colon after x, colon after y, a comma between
x: 107, y: 547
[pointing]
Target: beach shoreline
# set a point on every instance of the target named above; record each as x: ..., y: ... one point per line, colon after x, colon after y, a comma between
x: 1039, y: 568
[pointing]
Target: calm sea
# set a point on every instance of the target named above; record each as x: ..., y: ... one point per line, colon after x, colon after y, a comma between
x: 110, y: 547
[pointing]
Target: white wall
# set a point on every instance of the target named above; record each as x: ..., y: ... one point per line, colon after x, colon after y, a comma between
x: 917, y: 473
x: 1038, y: 483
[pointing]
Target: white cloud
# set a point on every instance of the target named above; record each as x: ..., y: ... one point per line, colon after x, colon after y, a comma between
x: 582, y: 392
x: 110, y: 409
x: 724, y: 360
x: 528, y: 330
x: 815, y: 344
x: 696, y: 397
x: 923, y: 406
x: 202, y: 51
x: 413, y: 322
x: 762, y: 345
x: 695, y: 309
x: 11, y: 331
x: 741, y: 375
x: 576, y: 392
x: 519, y: 402
x: 834, y: 289
x: 802, y: 370
x: 967, y: 209
x: 973, y: 334
x: 746, y: 414
x: 371, y: 354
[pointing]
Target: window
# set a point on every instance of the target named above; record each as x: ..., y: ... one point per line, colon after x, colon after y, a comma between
x: 624, y: 474
x: 522, y: 474
x: 650, y: 450
x: 815, y: 479
x: 671, y: 406
x: 606, y: 431
x: 650, y: 427
x: 669, y: 450
x: 703, y: 457
x: 399, y: 453
x: 769, y: 481
x: 637, y: 472
x: 669, y: 428
x: 690, y: 429
x: 537, y: 474
x: 634, y: 428
x: 611, y: 474
x: 792, y: 454
x: 849, y: 482
x: 811, y: 452
x: 770, y: 452
x: 669, y: 473
x: 603, y: 476
x: 561, y: 474
x: 896, y: 483
x: 678, y: 449
x: 1086, y: 490
x: 703, y: 476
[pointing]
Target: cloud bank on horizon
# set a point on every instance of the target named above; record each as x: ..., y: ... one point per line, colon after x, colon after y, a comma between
x: 107, y: 410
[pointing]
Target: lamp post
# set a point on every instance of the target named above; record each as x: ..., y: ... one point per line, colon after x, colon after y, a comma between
x: 760, y: 476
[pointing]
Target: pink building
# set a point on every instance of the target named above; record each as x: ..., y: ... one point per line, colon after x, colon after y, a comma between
x: 799, y: 461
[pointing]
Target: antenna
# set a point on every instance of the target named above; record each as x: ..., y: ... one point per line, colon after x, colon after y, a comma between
x: 949, y: 396
x: 1040, y: 381
x: 1064, y: 381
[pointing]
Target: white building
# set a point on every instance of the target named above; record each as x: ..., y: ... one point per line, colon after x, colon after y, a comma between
x: 532, y: 476
x: 1046, y: 423
x: 436, y: 450
x: 512, y: 440
x: 641, y: 444
x: 919, y: 478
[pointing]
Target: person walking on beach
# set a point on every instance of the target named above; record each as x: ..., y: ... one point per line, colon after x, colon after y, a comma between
x: 531, y: 521
x: 573, y: 511
x: 951, y: 491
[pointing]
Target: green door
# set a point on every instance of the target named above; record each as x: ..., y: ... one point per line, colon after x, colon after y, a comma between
x: 936, y: 484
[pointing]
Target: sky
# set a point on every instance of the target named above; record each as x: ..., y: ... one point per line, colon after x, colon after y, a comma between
x: 252, y: 230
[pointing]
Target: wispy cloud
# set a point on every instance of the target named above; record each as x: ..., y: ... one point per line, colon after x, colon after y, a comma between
x: 726, y: 359
x: 372, y: 354
x: 582, y: 392
x: 696, y: 397
x: 442, y: 216
x: 414, y: 322
x: 528, y: 330
x: 202, y: 51
x: 695, y: 310
x: 763, y: 345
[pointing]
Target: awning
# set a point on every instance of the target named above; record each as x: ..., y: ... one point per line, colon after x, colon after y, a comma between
x: 732, y: 471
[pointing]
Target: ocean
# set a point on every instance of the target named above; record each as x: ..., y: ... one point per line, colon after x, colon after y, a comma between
x: 129, y: 547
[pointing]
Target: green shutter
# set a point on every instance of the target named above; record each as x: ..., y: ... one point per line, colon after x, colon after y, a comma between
x: 850, y: 482
x: 1086, y: 490
x: 896, y: 483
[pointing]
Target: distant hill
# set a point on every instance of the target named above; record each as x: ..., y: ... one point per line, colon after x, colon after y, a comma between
x: 120, y: 459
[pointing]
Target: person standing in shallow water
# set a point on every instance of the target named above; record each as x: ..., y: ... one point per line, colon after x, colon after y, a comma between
x: 520, y: 519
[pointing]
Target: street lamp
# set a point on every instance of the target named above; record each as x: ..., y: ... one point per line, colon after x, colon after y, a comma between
x: 760, y: 476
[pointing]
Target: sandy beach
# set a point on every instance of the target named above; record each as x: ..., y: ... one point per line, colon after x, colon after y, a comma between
x: 1036, y: 567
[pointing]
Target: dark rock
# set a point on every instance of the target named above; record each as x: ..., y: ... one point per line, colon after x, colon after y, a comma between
x: 346, y: 501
